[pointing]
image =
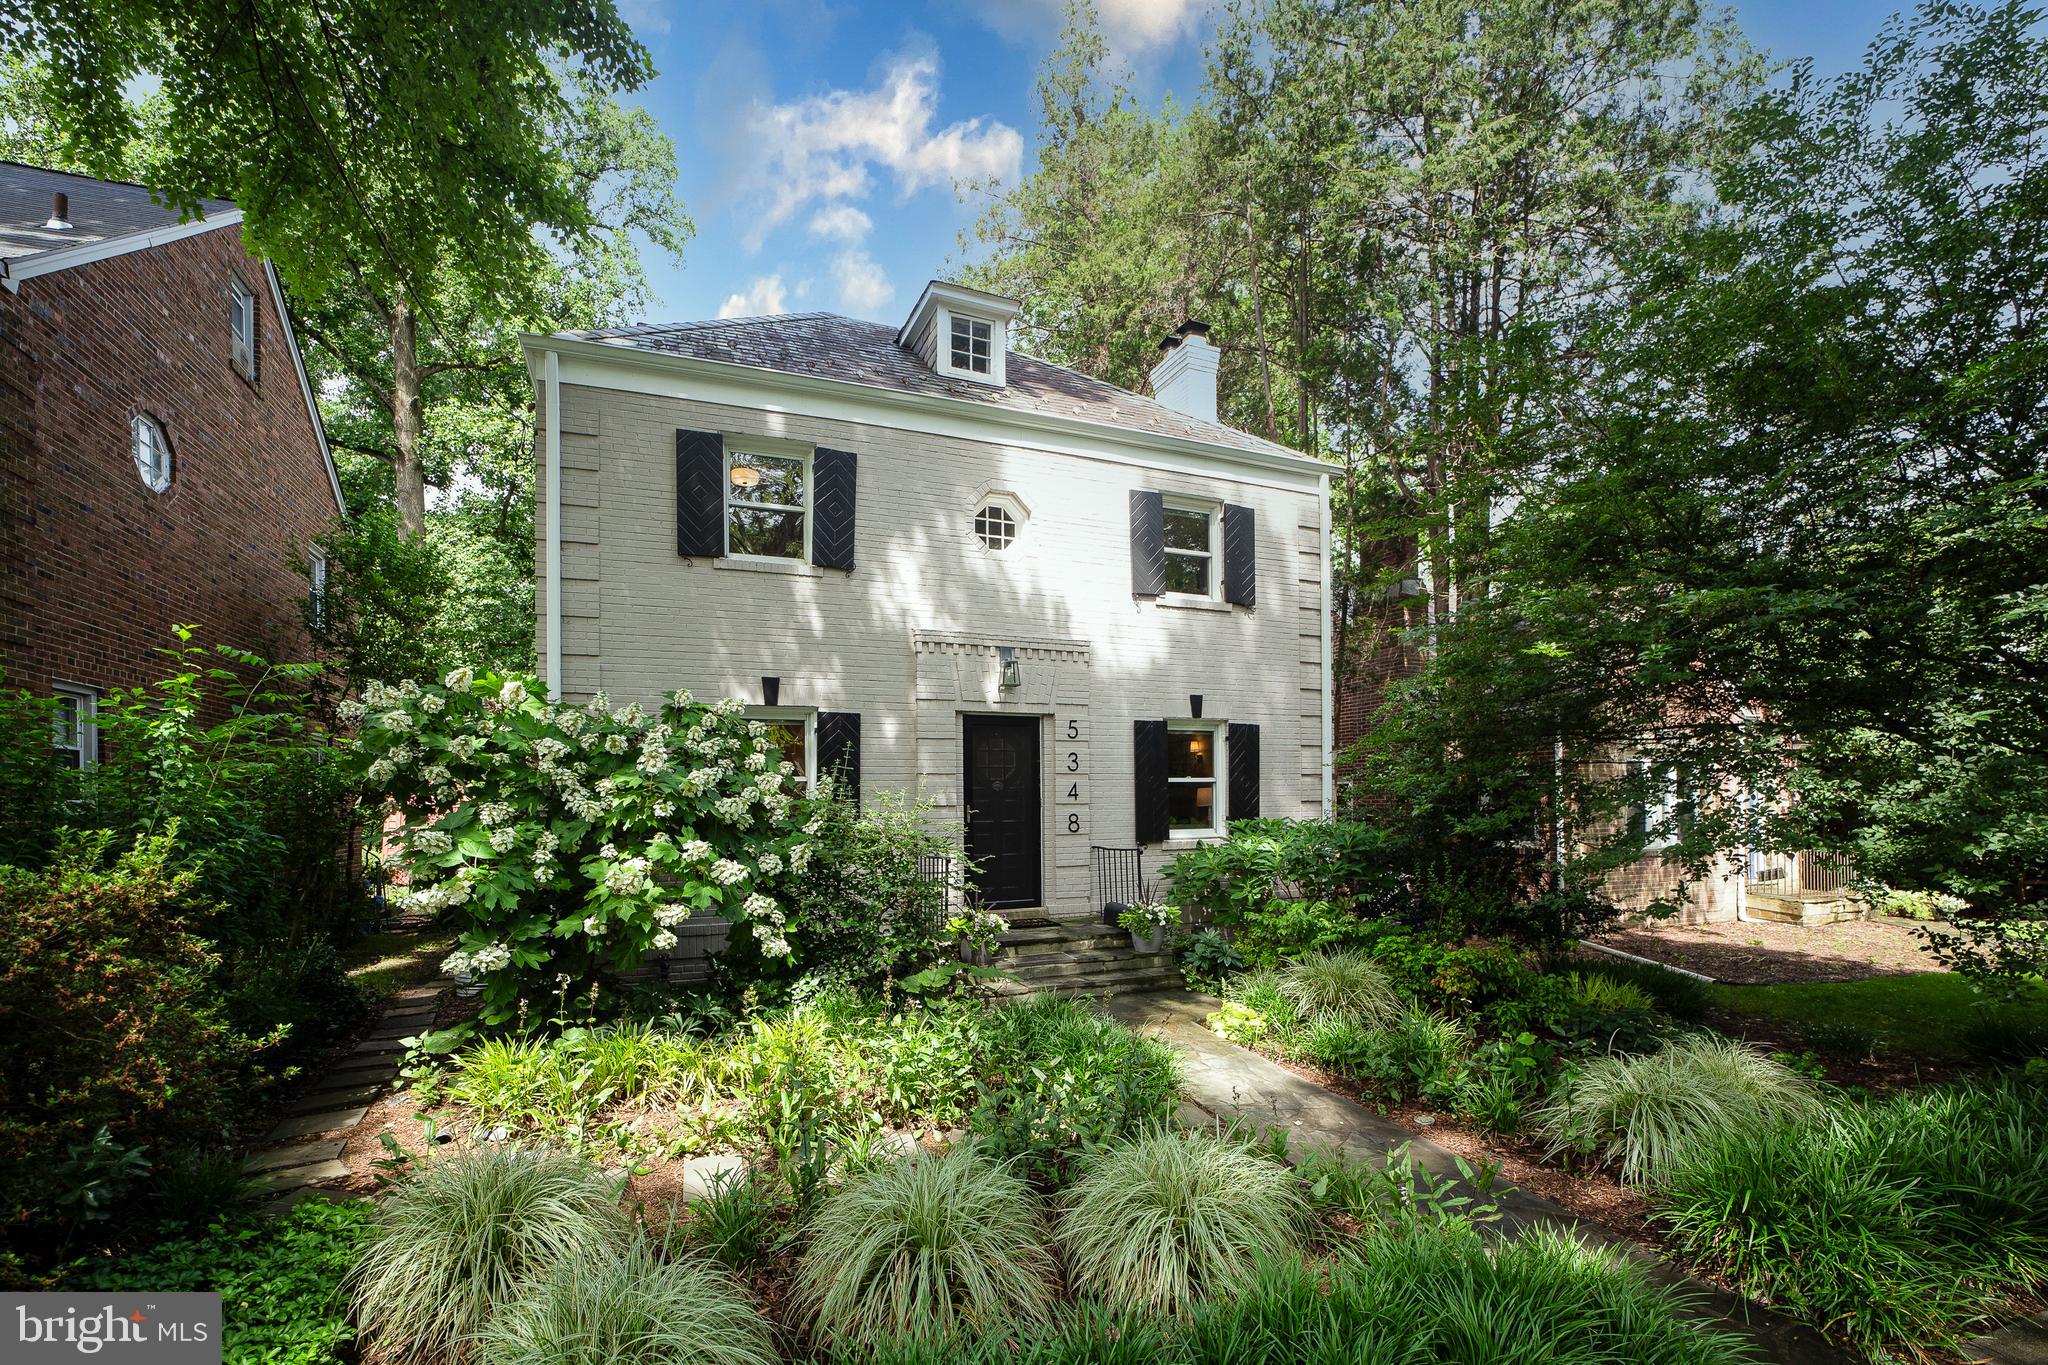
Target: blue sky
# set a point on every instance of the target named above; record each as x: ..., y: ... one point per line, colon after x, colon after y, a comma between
x: 819, y: 140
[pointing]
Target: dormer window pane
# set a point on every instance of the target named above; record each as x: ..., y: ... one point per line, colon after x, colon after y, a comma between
x: 973, y: 340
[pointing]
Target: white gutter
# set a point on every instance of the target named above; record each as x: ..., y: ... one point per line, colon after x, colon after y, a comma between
x: 551, y: 459
x: 291, y: 341
x: 1329, y: 682
x: 13, y: 272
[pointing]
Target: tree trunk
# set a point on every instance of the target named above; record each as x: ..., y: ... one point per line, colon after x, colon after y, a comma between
x: 409, y: 484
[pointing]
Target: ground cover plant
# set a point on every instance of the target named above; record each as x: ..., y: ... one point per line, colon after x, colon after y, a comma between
x: 630, y: 1307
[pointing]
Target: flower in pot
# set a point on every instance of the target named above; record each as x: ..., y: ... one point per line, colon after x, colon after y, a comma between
x: 976, y: 930
x: 1148, y: 921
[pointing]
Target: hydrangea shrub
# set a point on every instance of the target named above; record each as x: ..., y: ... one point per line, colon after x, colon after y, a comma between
x: 570, y: 840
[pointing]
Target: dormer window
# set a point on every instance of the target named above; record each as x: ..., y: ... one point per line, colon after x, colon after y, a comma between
x: 971, y: 344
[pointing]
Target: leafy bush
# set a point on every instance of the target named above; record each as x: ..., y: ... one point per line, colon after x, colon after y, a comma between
x: 1363, y: 1053
x: 1616, y: 1015
x: 1647, y: 1112
x: 569, y: 839
x: 1207, y: 959
x: 924, y: 1246
x: 190, y: 1189
x: 865, y: 909
x: 1281, y: 887
x: 1429, y: 1049
x: 458, y: 1240
x: 280, y: 1282
x: 1898, y: 1223
x: 629, y: 1307
x: 734, y: 1222
x: 1079, y: 1334
x: 1171, y: 1218
x: 109, y: 1019
x: 1066, y: 1078
x: 36, y: 790
x: 1347, y: 984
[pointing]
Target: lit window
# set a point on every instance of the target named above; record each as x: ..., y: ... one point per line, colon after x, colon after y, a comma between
x: 996, y: 527
x: 74, y: 727
x: 1190, y: 550
x: 242, y: 327
x: 973, y: 345
x: 1193, y: 803
x: 764, y: 505
x: 152, y: 451
x: 316, y: 578
x: 790, y: 729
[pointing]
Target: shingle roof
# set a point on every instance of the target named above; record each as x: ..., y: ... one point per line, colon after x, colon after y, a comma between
x: 828, y: 346
x: 100, y: 209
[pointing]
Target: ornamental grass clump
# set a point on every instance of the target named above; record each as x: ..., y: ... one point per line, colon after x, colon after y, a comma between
x: 1169, y: 1218
x: 459, y: 1239
x: 923, y: 1247
x: 1338, y: 982
x: 628, y: 1307
x: 1646, y: 1112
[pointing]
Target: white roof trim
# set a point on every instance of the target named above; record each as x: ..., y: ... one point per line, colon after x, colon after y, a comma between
x: 977, y: 302
x: 291, y: 342
x: 14, y: 271
x: 991, y: 418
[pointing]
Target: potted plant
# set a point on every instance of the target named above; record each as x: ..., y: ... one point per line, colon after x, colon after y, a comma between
x: 1148, y: 922
x: 976, y: 931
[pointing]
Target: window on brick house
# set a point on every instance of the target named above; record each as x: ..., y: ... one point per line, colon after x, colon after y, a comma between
x: 765, y: 507
x: 316, y: 580
x: 74, y: 726
x: 1194, y: 798
x: 152, y: 451
x: 793, y: 729
x: 242, y: 327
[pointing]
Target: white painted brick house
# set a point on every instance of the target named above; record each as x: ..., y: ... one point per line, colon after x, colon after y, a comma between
x: 1066, y: 614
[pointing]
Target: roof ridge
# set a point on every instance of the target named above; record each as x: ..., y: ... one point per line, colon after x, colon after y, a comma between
x: 150, y: 190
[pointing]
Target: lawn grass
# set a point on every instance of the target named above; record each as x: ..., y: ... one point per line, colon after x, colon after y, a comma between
x: 387, y: 963
x: 1927, y: 1014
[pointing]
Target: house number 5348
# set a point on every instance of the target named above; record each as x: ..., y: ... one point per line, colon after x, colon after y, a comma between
x: 1071, y: 765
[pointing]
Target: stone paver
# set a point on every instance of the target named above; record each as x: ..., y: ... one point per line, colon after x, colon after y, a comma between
x: 304, y: 1154
x: 2022, y: 1343
x: 706, y: 1175
x: 325, y: 1121
x: 371, y: 1047
x: 1231, y: 1083
x: 290, y: 1177
x: 323, y: 1101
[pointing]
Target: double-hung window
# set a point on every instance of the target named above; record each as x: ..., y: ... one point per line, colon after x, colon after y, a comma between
x: 242, y: 327
x: 1191, y: 531
x: 767, y: 510
x: 1665, y: 809
x: 74, y: 727
x: 973, y: 345
x: 1194, y: 798
x: 791, y: 729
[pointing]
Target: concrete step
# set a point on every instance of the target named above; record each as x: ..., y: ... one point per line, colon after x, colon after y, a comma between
x: 1096, y: 985
x: 1161, y: 964
x: 1027, y: 962
x: 1074, y: 936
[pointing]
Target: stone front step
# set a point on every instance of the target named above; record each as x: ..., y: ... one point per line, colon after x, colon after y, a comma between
x: 1095, y: 985
x: 1060, y: 937
x: 1806, y: 909
x: 1048, y: 966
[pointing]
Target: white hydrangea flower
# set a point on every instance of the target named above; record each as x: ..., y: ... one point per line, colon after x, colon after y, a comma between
x: 799, y: 857
x: 664, y: 809
x: 399, y: 722
x: 570, y: 722
x: 513, y: 693
x: 663, y: 939
x: 458, y: 962
x: 432, y: 703
x: 615, y: 744
x: 773, y: 944
x: 408, y: 689
x: 669, y: 914
x: 593, y: 926
x: 771, y: 863
x: 812, y: 825
x: 502, y: 840
x: 550, y: 750
x: 758, y: 906
x: 652, y: 760
x: 351, y: 711
x: 382, y: 771
x: 495, y: 813
x: 731, y: 808
x: 729, y: 706
x: 377, y: 696
x: 756, y: 761
x: 432, y: 842
x: 694, y: 851
x: 629, y: 877
x: 726, y: 872
x: 491, y: 957
x: 459, y: 679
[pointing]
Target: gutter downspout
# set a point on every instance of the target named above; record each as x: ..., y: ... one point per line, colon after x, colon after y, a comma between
x: 1329, y: 682
x: 552, y: 460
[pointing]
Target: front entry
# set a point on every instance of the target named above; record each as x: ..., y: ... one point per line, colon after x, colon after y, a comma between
x: 1002, y: 809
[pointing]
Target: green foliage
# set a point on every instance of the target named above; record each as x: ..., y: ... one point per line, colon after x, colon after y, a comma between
x: 1937, y: 1015
x: 1207, y: 959
x: 110, y: 1022
x: 568, y: 839
x: 1617, y: 1015
x: 866, y: 912
x: 280, y: 1281
x: 1349, y: 985
x: 191, y: 1188
x: 1063, y: 1078
x: 1169, y: 1219
x: 1648, y: 1112
x: 381, y: 618
x: 460, y: 1240
x: 1684, y: 998
x: 924, y: 1246
x: 734, y: 1223
x: 629, y: 1307
x: 36, y: 791
x: 1898, y: 1224
x: 1318, y: 874
x: 1079, y: 1334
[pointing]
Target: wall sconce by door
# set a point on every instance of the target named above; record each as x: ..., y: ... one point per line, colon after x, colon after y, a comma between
x: 1012, y: 672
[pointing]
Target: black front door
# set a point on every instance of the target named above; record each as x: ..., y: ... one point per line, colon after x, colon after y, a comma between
x: 1002, y: 808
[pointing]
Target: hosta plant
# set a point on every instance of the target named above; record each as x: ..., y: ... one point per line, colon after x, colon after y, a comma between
x: 1170, y: 1218
x: 568, y: 840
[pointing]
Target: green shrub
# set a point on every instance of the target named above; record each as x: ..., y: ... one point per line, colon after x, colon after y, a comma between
x: 1364, y: 1054
x: 923, y: 1247
x: 1065, y: 1079
x: 1079, y: 1334
x: 280, y: 1282
x: 1347, y: 984
x: 456, y: 1242
x: 629, y: 1307
x: 869, y: 912
x: 1618, y: 1016
x: 1684, y: 998
x: 1348, y: 864
x: 1208, y: 960
x: 735, y: 1222
x: 1429, y: 1050
x: 2002, y: 1034
x: 1646, y: 1112
x: 1170, y: 1218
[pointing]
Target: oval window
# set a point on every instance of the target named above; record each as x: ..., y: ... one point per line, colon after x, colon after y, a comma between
x: 152, y: 452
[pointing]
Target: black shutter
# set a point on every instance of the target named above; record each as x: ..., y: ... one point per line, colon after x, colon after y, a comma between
x: 1243, y: 742
x: 832, y: 480
x: 1148, y: 543
x: 839, y: 752
x: 1148, y: 779
x: 700, y: 493
x: 1240, y: 555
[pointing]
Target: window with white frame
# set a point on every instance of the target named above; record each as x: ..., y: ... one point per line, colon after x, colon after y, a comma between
x: 1194, y: 798
x: 74, y: 726
x: 316, y: 580
x: 152, y: 451
x: 242, y: 326
x: 766, y: 509
x: 1657, y: 819
x: 1192, y: 532
x: 973, y: 344
x: 996, y: 527
x: 794, y: 731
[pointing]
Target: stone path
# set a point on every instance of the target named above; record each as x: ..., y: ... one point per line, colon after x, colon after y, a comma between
x: 304, y: 1150
x: 1227, y: 1082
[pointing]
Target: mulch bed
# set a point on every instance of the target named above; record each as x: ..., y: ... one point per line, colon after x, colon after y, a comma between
x: 1753, y: 953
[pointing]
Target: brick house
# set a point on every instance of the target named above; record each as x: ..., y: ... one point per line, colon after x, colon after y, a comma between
x: 162, y: 461
x: 1069, y: 616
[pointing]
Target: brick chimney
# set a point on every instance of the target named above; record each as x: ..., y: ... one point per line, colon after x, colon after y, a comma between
x: 1185, y: 379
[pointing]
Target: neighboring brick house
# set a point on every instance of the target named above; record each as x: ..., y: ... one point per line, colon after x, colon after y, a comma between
x: 1067, y: 615
x: 161, y: 457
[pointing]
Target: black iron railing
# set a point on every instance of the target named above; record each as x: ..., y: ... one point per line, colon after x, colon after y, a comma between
x: 1119, y: 878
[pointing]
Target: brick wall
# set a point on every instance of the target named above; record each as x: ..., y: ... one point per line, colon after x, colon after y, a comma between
x: 95, y: 568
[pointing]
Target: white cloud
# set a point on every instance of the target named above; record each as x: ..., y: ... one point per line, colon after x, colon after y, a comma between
x: 863, y: 288
x: 827, y: 147
x: 645, y: 16
x: 1129, y: 25
x: 843, y: 221
x: 765, y: 295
